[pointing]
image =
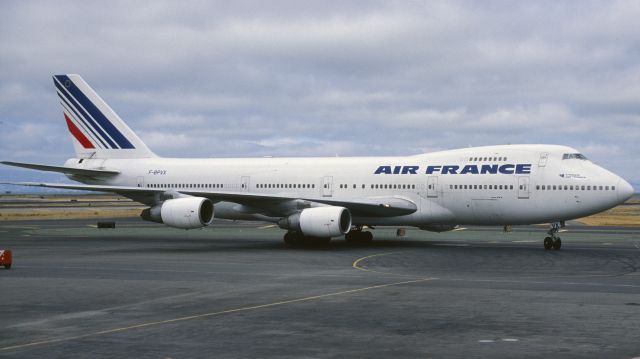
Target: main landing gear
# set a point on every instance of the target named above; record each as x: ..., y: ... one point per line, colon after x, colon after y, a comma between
x: 553, y: 241
x: 358, y: 236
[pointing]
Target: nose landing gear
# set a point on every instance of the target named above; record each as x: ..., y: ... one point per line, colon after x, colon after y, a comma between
x: 553, y: 241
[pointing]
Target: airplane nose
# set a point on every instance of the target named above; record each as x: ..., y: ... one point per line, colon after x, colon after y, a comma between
x: 625, y: 190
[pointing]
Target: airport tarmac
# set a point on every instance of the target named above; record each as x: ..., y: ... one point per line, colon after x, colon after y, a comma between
x: 236, y: 291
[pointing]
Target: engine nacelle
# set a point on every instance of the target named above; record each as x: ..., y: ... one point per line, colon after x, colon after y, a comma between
x: 320, y: 222
x: 184, y: 213
x: 439, y: 227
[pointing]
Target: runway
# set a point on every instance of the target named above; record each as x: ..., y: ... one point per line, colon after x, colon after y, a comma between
x: 235, y: 291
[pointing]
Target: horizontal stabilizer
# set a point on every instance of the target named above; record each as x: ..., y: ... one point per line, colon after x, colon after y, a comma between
x: 62, y: 169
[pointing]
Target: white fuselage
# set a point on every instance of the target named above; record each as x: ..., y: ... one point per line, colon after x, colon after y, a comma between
x: 493, y: 185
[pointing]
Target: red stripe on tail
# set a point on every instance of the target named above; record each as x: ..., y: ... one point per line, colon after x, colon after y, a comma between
x: 84, y: 141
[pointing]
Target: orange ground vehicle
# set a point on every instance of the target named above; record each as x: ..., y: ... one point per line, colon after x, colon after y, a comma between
x: 5, y: 258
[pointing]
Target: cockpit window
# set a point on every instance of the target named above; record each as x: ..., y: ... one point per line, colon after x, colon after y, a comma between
x: 578, y: 156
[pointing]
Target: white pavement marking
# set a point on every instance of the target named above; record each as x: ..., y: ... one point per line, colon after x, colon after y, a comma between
x: 486, y: 341
x: 509, y: 340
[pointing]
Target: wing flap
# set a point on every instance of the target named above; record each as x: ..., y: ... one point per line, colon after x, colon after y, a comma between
x: 376, y: 206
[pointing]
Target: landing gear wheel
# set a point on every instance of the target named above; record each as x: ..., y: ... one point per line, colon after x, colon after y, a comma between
x: 291, y: 238
x: 553, y: 241
x: 359, y: 237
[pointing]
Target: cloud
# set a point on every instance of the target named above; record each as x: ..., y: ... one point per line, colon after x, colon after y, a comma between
x: 354, y: 78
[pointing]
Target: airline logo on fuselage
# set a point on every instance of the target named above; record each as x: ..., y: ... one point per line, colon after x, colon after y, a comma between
x: 507, y: 169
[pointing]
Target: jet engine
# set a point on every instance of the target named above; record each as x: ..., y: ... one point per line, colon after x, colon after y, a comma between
x: 183, y: 213
x: 319, y: 222
x: 439, y: 227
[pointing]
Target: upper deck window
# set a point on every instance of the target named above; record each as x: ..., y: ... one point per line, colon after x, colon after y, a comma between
x: 578, y: 156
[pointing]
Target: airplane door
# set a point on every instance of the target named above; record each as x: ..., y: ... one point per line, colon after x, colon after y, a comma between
x: 523, y: 187
x: 327, y: 186
x: 140, y: 181
x: 432, y: 187
x: 244, y: 183
x: 543, y: 159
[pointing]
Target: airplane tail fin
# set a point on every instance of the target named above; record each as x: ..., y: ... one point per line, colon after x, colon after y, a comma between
x: 96, y: 130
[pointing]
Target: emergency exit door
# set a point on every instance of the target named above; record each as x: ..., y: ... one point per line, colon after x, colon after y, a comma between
x: 432, y: 186
x: 523, y: 187
x: 327, y: 186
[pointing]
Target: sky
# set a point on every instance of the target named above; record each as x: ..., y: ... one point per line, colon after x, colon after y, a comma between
x: 327, y: 78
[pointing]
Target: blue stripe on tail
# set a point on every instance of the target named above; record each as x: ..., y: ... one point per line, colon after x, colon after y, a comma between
x: 89, y: 126
x: 76, y: 93
x: 82, y: 114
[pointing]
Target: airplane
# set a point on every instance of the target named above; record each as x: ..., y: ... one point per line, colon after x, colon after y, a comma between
x: 320, y: 198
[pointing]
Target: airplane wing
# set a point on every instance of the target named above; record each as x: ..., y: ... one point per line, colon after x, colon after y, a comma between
x: 62, y: 169
x: 373, y: 206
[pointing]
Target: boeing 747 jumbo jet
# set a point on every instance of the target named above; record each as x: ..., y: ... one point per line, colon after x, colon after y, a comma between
x: 322, y: 198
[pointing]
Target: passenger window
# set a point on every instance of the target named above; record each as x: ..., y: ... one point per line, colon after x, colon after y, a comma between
x: 456, y: 186
x: 607, y: 188
x: 490, y: 186
x: 554, y: 187
x: 613, y: 188
x: 588, y: 188
x: 413, y: 186
x: 601, y: 188
x: 537, y: 187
